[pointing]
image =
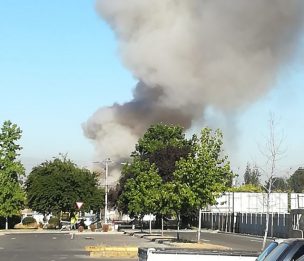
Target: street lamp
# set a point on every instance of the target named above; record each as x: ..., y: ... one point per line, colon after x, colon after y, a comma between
x: 106, y: 163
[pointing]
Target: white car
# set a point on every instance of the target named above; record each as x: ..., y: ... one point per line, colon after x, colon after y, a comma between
x: 88, y: 220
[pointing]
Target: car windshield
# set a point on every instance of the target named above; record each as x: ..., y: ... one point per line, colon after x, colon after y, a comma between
x: 267, y: 250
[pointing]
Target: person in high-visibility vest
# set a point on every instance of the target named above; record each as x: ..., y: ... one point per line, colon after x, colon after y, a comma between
x: 73, y: 222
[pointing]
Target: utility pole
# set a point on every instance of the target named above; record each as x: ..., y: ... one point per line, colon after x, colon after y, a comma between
x: 106, y: 163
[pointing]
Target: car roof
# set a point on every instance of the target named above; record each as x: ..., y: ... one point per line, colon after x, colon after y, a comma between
x: 292, y: 240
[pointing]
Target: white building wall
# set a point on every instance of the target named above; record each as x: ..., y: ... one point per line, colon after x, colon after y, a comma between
x: 296, y: 200
x: 245, y: 202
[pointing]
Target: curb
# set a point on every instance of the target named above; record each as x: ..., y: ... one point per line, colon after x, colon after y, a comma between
x: 99, y: 251
x: 157, y: 238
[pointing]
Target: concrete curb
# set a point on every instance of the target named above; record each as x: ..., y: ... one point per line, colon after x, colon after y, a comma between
x: 171, y: 242
x: 103, y: 251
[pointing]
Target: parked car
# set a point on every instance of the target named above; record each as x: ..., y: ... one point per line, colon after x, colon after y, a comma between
x: 89, y: 220
x: 86, y: 221
x: 287, y: 250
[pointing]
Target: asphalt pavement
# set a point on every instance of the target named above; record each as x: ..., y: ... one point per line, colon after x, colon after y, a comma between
x: 59, y: 246
x: 229, y: 240
x: 70, y: 246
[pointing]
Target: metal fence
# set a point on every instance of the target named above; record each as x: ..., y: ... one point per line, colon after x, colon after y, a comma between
x: 248, y: 223
x: 244, y: 212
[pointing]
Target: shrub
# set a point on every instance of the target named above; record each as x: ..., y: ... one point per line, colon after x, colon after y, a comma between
x: 53, y: 222
x: 28, y: 221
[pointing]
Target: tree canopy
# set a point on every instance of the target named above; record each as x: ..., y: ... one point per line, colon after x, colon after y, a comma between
x: 141, y: 192
x: 296, y: 181
x: 57, y: 185
x: 207, y: 173
x: 169, y: 174
x: 279, y: 184
x: 252, y: 176
x: 160, y: 136
x: 162, y: 145
x: 10, y: 166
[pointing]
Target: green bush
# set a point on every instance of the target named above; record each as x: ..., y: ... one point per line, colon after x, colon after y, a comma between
x: 28, y: 221
x: 54, y: 222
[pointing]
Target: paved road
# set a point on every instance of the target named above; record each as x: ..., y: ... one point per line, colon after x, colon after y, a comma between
x: 233, y: 241
x: 59, y: 246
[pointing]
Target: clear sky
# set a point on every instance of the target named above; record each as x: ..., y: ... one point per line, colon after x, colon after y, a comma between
x: 59, y: 64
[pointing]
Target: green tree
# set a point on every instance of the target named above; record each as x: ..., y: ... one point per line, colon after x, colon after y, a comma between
x: 208, y: 172
x: 296, y: 181
x: 160, y: 136
x: 141, y: 192
x: 189, y: 174
x: 10, y: 166
x: 162, y: 145
x: 166, y: 158
x: 12, y: 197
x: 176, y: 199
x: 57, y: 185
x: 252, y: 176
x: 201, y: 178
x: 279, y: 184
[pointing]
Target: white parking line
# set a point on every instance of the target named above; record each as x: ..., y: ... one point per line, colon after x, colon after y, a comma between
x: 256, y: 240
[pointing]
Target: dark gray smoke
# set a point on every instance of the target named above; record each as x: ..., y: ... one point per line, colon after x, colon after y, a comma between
x: 146, y: 109
x: 190, y: 55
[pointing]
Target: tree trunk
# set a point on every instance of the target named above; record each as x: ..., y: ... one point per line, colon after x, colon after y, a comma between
x: 162, y: 226
x: 150, y: 224
x: 267, y: 219
x: 142, y: 224
x: 199, y: 226
x: 178, y: 224
x: 272, y: 153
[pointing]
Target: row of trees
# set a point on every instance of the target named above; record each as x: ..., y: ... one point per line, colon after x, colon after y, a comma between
x: 253, y: 183
x: 51, y: 187
x: 168, y: 175
x: 171, y: 175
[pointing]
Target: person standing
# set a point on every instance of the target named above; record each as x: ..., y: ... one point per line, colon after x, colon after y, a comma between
x: 73, y: 222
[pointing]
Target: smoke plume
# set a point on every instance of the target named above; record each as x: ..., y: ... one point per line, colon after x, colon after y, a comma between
x: 189, y: 55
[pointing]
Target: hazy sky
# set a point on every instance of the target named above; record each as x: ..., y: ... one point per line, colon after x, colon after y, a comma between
x: 59, y: 64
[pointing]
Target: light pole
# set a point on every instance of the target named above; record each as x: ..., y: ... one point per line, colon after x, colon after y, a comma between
x: 106, y: 163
